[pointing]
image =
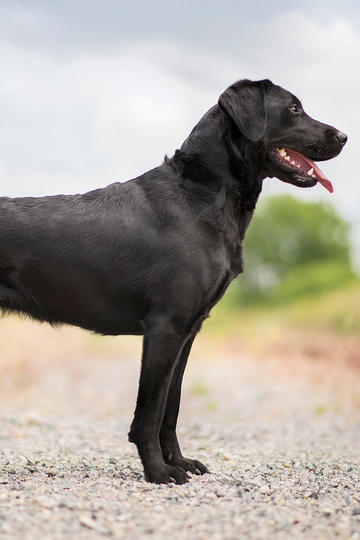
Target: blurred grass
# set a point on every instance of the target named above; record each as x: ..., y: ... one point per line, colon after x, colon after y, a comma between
x: 318, y: 334
x: 316, y: 338
x: 319, y: 329
x: 337, y: 312
x: 333, y: 315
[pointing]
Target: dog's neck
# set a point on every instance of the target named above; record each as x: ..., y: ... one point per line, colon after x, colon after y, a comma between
x: 222, y: 160
x: 231, y: 159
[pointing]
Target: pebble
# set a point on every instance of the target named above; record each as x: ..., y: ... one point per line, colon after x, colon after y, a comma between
x: 87, y: 521
x: 278, y: 470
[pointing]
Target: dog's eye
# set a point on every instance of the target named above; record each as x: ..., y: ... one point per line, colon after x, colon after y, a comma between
x: 295, y: 109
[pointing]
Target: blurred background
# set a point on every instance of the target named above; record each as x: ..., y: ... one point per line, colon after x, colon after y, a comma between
x: 94, y: 92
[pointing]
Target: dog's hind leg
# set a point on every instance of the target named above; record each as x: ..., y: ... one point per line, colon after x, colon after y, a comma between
x: 161, y: 351
x: 11, y: 292
x: 8, y: 292
x: 168, y: 438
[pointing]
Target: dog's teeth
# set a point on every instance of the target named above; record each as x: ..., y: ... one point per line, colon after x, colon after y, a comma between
x: 311, y: 172
x: 298, y: 166
x: 314, y: 176
x: 282, y: 152
x: 293, y: 163
x: 287, y: 158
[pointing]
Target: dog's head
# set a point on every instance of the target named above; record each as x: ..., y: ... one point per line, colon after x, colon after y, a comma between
x: 266, y: 113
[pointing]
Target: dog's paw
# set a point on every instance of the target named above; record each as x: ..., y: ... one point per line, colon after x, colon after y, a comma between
x: 191, y: 465
x: 166, y: 474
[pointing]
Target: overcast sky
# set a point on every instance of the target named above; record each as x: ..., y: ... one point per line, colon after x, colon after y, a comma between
x: 97, y: 91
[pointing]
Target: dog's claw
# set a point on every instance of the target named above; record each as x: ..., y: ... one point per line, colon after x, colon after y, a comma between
x: 190, y: 465
x: 167, y: 475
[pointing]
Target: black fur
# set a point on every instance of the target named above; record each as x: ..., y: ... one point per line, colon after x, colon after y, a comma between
x: 152, y: 256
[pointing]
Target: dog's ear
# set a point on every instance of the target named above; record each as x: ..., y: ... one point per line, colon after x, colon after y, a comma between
x: 244, y: 102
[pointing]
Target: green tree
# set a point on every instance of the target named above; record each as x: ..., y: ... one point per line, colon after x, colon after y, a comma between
x: 293, y: 248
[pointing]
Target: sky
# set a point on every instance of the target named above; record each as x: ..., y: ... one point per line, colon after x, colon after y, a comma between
x: 93, y: 92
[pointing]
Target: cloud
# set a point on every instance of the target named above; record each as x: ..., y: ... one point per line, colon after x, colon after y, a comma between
x: 81, y: 121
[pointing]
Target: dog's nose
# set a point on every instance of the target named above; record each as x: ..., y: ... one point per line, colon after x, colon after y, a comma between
x: 341, y: 137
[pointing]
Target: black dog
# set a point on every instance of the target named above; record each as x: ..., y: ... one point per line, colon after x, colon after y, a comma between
x: 152, y: 256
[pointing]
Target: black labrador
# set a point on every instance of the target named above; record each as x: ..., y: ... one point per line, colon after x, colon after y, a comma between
x: 152, y: 256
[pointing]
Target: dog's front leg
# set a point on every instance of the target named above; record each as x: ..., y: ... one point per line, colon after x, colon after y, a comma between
x: 168, y: 438
x: 161, y: 350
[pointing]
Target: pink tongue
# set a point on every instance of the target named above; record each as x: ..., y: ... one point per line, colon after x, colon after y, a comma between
x: 319, y: 174
x: 322, y: 179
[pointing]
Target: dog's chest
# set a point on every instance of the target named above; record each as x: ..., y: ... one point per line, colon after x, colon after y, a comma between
x: 235, y: 226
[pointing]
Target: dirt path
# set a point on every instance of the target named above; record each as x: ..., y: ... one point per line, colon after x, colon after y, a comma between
x: 282, y: 443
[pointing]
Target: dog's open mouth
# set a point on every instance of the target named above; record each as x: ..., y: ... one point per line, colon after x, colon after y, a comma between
x: 297, y: 169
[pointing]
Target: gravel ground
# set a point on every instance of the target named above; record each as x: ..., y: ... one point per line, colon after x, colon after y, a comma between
x: 283, y: 451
